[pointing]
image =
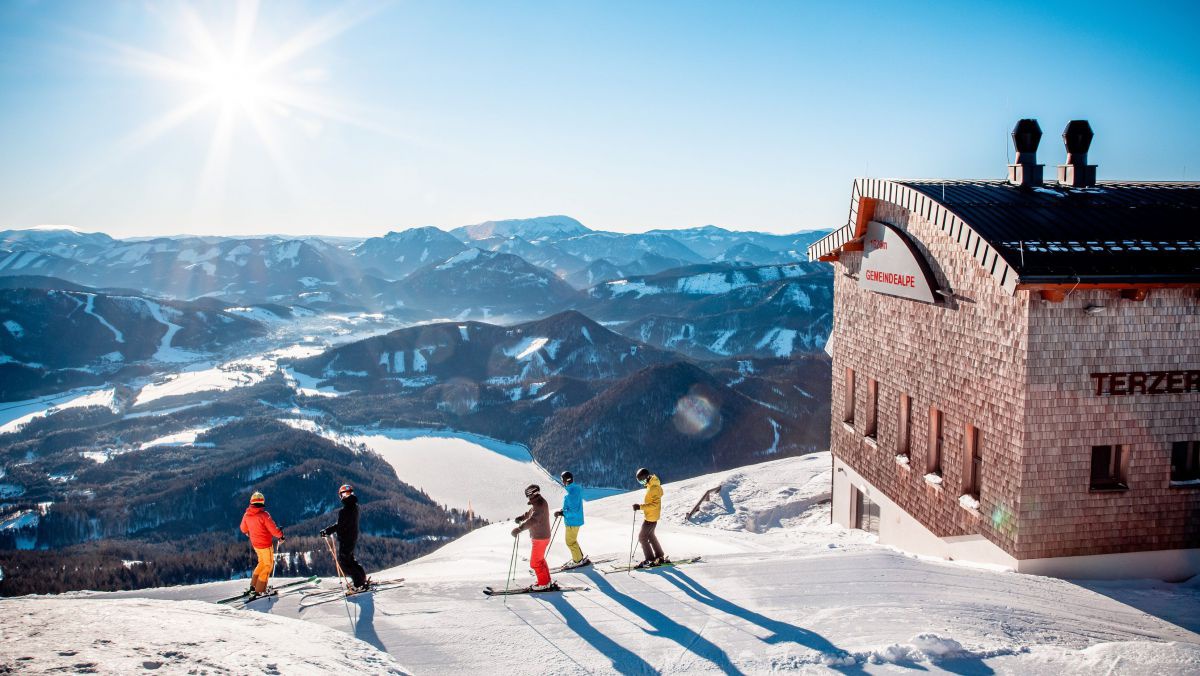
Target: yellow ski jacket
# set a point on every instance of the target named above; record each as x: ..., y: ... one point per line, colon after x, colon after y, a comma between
x: 652, y: 506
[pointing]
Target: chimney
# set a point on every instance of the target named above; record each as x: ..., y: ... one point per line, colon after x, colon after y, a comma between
x: 1077, y: 173
x: 1026, y: 172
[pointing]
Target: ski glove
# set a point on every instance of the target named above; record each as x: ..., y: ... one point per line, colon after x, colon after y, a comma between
x: 519, y: 519
x: 516, y: 532
x: 636, y: 507
x: 281, y: 539
x: 558, y: 514
x: 326, y: 532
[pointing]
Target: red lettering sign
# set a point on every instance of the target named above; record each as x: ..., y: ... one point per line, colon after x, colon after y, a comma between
x: 1146, y: 382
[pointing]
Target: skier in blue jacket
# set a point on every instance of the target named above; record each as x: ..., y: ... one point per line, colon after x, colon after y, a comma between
x: 572, y: 515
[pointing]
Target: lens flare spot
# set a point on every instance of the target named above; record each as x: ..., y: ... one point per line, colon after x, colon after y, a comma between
x: 696, y: 416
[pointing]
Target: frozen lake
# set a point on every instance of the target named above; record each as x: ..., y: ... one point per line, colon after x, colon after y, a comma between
x: 461, y: 470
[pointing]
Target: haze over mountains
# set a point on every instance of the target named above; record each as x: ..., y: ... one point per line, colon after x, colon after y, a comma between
x: 129, y: 363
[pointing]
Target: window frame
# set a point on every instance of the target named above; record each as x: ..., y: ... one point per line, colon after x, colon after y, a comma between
x: 848, y: 400
x: 937, y: 441
x: 872, y: 428
x: 1191, y: 452
x: 972, y: 461
x: 1117, y: 478
x: 904, y: 426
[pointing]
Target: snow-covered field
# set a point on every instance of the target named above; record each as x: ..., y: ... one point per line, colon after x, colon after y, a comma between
x: 15, y: 414
x: 781, y: 589
x: 134, y: 636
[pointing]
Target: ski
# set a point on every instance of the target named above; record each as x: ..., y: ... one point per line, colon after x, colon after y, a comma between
x: 295, y: 589
x: 489, y: 591
x: 670, y: 564
x: 245, y: 595
x: 329, y: 596
x: 567, y: 567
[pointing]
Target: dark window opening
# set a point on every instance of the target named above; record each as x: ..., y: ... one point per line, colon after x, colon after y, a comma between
x: 1185, y: 461
x: 936, y: 441
x: 848, y: 405
x: 904, y: 435
x: 1109, y: 465
x: 873, y: 412
x: 973, y: 457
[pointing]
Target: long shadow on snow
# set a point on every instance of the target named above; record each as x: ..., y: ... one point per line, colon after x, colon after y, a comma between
x: 967, y: 664
x: 364, y: 627
x: 781, y: 632
x: 666, y: 627
x: 624, y: 661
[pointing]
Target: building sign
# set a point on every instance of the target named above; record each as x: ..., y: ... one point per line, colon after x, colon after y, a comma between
x: 893, y: 265
x: 1146, y: 382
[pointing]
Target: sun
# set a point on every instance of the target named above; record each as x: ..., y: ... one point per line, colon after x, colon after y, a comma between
x: 235, y: 82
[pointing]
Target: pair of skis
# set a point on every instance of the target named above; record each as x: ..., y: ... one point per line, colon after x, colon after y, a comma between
x: 330, y: 595
x: 668, y: 564
x: 281, y: 590
x: 490, y: 591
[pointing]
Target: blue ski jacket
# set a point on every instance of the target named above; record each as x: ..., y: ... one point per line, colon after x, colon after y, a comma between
x: 572, y: 506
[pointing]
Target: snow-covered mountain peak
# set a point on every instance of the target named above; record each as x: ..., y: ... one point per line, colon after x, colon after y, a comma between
x: 532, y: 229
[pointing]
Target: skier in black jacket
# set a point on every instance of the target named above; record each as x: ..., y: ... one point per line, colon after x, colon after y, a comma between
x: 346, y: 530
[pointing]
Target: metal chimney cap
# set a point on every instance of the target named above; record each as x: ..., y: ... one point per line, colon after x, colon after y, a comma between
x: 1078, y: 137
x: 1027, y: 135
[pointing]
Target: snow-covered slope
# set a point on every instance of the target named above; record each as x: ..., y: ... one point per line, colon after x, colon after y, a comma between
x: 780, y: 590
x: 128, y: 636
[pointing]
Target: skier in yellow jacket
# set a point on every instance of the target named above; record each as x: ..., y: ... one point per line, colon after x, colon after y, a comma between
x: 651, y: 509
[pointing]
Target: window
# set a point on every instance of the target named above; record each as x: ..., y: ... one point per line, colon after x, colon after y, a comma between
x: 1109, y: 465
x: 1185, y: 461
x: 936, y: 440
x: 873, y: 411
x: 972, y: 462
x: 904, y: 435
x: 866, y: 512
x: 848, y: 405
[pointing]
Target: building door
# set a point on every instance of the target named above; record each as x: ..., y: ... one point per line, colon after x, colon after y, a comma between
x: 866, y: 512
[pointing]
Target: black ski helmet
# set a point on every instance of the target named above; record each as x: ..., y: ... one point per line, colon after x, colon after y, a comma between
x: 532, y: 490
x: 567, y: 478
x: 643, y: 474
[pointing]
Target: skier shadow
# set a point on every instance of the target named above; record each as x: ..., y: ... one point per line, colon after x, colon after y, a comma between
x: 781, y: 632
x: 364, y: 626
x: 666, y: 627
x: 624, y: 660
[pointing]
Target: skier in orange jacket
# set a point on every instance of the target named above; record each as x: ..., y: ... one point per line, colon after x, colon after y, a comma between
x: 261, y: 528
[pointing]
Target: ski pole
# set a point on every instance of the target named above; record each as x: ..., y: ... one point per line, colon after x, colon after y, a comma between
x: 512, y: 567
x: 336, y: 565
x: 553, y: 533
x: 632, y: 530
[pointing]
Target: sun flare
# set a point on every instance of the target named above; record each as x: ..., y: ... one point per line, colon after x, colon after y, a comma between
x: 268, y: 89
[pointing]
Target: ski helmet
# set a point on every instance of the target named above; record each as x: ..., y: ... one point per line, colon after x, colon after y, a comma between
x: 532, y: 490
x: 643, y: 475
x: 346, y: 488
x: 258, y: 499
x: 567, y: 478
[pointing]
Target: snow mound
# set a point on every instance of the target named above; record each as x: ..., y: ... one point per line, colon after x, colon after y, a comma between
x: 124, y: 636
x: 755, y: 501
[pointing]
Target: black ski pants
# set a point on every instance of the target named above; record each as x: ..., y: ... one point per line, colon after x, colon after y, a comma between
x: 345, y: 558
x: 650, y: 547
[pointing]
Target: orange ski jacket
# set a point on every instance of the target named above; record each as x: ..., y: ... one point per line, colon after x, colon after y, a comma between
x: 259, y: 525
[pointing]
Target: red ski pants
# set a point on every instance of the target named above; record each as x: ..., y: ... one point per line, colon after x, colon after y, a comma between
x: 537, y: 561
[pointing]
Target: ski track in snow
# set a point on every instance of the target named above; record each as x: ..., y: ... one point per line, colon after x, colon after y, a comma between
x: 780, y: 589
x: 90, y: 309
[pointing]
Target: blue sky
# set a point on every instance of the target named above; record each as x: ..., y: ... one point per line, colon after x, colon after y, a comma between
x: 627, y: 116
